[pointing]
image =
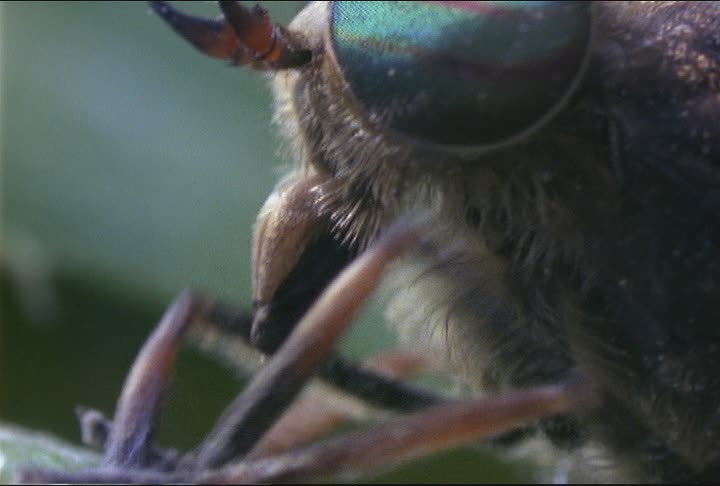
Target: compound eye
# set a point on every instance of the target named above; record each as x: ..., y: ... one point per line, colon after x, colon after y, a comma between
x: 471, y: 75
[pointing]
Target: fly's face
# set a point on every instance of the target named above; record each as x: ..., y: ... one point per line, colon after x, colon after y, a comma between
x: 389, y: 117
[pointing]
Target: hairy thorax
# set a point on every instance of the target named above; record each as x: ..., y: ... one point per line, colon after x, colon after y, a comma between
x: 573, y: 249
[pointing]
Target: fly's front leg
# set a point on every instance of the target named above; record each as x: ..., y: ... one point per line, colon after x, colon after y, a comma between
x: 189, y: 312
x: 290, y: 229
x: 433, y: 430
x: 287, y: 370
x: 142, y: 393
x: 95, y: 429
x: 321, y: 409
x: 247, y: 419
x: 128, y: 439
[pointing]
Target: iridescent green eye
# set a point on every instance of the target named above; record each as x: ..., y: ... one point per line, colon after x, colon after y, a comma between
x: 476, y: 75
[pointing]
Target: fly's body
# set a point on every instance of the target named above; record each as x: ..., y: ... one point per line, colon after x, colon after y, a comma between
x: 567, y: 158
x: 590, y: 243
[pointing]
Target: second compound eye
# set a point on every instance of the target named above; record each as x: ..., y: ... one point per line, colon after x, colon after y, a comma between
x: 472, y: 75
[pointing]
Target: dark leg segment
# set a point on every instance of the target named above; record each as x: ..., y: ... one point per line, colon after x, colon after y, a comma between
x: 277, y: 384
x: 142, y: 393
x: 422, y: 433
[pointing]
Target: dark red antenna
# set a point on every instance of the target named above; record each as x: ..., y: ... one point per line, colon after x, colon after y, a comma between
x: 241, y: 35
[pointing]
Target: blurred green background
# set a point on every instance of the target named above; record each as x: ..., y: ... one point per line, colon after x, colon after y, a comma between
x: 132, y: 167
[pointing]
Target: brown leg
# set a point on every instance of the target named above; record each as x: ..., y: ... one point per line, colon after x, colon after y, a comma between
x: 412, y: 436
x: 142, y: 393
x: 259, y: 405
x: 96, y: 428
x: 320, y: 409
x: 277, y: 384
x: 128, y: 439
x: 422, y: 433
x: 399, y: 440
